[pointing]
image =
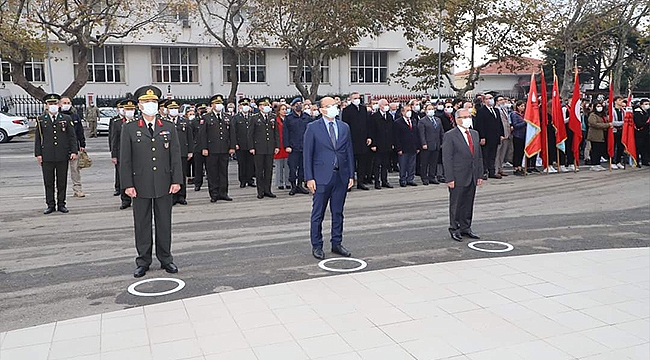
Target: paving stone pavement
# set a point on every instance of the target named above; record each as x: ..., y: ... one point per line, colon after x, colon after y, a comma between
x: 591, y: 305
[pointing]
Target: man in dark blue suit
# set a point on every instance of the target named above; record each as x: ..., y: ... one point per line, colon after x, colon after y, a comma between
x: 329, y: 170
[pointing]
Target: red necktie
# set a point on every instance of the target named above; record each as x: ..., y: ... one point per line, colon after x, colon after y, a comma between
x: 409, y: 123
x: 469, y: 141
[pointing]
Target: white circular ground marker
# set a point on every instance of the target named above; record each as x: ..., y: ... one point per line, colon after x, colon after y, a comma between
x: 179, y: 287
x: 362, y: 264
x: 473, y: 246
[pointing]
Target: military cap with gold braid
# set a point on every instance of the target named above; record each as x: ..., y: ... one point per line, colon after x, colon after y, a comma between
x: 162, y: 103
x: 172, y: 104
x: 201, y: 106
x: 264, y: 101
x: 128, y: 104
x: 217, y: 99
x: 148, y: 92
x: 51, y: 98
x: 244, y: 101
x: 120, y: 104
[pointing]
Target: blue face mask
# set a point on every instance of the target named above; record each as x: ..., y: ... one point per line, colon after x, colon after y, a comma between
x: 288, y: 111
x: 393, y: 112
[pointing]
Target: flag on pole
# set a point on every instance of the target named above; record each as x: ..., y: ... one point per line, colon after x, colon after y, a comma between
x: 610, y: 118
x: 533, y: 127
x: 627, y: 139
x: 574, y: 118
x: 544, y: 122
x: 558, y: 117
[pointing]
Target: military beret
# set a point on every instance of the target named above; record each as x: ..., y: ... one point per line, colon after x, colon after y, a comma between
x: 49, y: 98
x: 148, y: 92
x: 172, y: 104
x: 295, y: 101
x: 244, y: 101
x: 217, y: 99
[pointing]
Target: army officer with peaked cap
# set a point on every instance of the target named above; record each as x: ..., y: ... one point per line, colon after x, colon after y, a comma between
x: 151, y: 172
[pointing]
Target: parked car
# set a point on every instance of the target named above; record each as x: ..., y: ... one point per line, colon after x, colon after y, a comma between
x: 11, y: 126
x: 105, y: 116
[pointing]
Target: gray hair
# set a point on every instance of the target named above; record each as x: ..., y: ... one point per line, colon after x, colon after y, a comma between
x: 457, y: 115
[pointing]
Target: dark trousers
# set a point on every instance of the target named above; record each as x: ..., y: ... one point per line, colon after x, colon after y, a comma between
x: 117, y: 177
x: 162, y: 212
x: 363, y: 163
x: 531, y: 163
x: 643, y: 146
x: 126, y: 199
x: 418, y: 163
x: 429, y: 165
x: 381, y: 167
x: 296, y: 170
x: 568, y: 146
x: 217, y: 165
x: 263, y: 173
x: 333, y: 193
x: 619, y: 149
x: 598, y: 150
x: 461, y: 207
x: 199, y: 164
x: 393, y: 162
x: 55, y: 171
x: 182, y: 193
x: 518, y: 154
x: 489, y: 157
x: 406, y: 167
x: 245, y: 166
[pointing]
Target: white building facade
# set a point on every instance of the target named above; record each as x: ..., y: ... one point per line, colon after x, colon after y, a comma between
x: 189, y: 63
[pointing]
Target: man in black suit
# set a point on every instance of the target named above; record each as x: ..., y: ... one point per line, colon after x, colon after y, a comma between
x: 356, y: 116
x: 430, y: 132
x: 490, y: 129
x: 463, y: 163
x: 407, y: 146
x: 381, y: 130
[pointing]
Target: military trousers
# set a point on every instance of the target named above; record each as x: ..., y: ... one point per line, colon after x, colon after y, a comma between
x: 245, y: 166
x: 75, y: 175
x: 296, y: 168
x: 55, y: 172
x: 162, y: 216
x: 263, y: 173
x: 217, y: 166
x: 182, y: 193
x: 126, y: 199
x: 199, y: 166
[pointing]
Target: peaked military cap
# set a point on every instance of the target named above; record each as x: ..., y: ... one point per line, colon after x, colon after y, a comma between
x: 128, y: 104
x: 264, y: 101
x: 172, y: 104
x: 244, y: 101
x: 148, y: 92
x: 50, y: 98
x: 201, y: 106
x: 217, y: 99
x: 120, y: 104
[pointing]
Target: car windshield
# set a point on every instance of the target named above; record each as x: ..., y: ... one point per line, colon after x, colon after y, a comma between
x: 107, y: 112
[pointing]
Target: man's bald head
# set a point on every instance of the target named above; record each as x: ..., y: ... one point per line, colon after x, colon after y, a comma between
x: 326, y: 101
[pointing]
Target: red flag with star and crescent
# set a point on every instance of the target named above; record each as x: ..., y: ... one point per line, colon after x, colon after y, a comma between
x: 627, y: 139
x: 575, y: 125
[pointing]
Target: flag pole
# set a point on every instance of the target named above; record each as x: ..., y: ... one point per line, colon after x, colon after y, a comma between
x: 576, y: 161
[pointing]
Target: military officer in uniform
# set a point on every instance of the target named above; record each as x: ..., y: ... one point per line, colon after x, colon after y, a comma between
x: 162, y: 110
x: 198, y: 158
x: 186, y: 141
x: 115, y: 134
x: 217, y: 141
x: 245, y: 162
x: 150, y: 165
x: 54, y: 146
x: 115, y: 119
x: 264, y: 142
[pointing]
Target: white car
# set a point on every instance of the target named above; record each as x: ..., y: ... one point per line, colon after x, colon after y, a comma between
x: 12, y: 125
x: 105, y: 116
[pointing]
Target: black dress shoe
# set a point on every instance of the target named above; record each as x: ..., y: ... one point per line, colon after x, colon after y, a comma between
x: 170, y: 268
x: 318, y: 253
x: 124, y: 206
x: 360, y: 186
x: 455, y: 235
x: 387, y: 185
x: 182, y: 202
x: 411, y: 184
x: 378, y: 186
x: 270, y: 194
x: 63, y: 209
x: 402, y: 185
x: 495, y: 176
x: 197, y: 188
x: 116, y: 193
x: 470, y: 234
x: 225, y: 198
x: 140, y: 271
x: 436, y: 182
x: 280, y: 187
x: 292, y: 192
x: 260, y: 196
x: 425, y: 183
x: 242, y: 185
x: 302, y: 190
x: 213, y: 200
x: 485, y: 177
x: 339, y: 249
x: 49, y: 210
x: 252, y: 184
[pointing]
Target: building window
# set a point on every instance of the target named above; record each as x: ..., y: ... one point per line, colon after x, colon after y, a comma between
x: 105, y: 64
x: 251, y: 67
x: 34, y: 70
x: 306, y: 71
x: 175, y: 65
x: 369, y: 67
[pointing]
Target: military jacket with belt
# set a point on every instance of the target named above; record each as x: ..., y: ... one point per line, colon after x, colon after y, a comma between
x: 242, y: 124
x: 151, y: 164
x: 263, y: 134
x: 185, y: 135
x: 55, y: 138
x: 217, y: 134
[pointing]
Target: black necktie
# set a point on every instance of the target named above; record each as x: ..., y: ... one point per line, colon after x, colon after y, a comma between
x: 333, y: 140
x: 151, y: 129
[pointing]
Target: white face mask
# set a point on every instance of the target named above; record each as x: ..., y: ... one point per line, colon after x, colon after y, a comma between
x: 449, y: 110
x: 67, y: 107
x: 646, y: 107
x: 192, y: 117
x: 375, y: 107
x: 440, y: 107
x: 165, y: 111
x: 599, y: 109
x: 386, y: 108
x: 308, y: 112
x: 129, y: 114
x: 356, y: 102
x: 245, y: 108
x: 54, y: 109
x: 218, y: 107
x: 408, y: 114
x: 466, y: 123
x: 173, y: 112
x: 490, y: 102
x: 231, y: 110
x: 266, y: 109
x: 431, y: 113
x: 150, y: 108
x: 332, y: 112
x: 348, y: 102
x: 416, y: 108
